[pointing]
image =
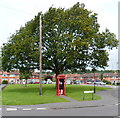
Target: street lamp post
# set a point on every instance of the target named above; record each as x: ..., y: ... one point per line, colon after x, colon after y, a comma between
x: 94, y: 88
x: 94, y: 82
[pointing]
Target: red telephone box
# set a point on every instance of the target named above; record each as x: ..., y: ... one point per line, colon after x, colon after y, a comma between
x: 61, y: 85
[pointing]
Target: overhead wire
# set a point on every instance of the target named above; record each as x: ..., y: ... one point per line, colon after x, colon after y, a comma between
x: 17, y: 10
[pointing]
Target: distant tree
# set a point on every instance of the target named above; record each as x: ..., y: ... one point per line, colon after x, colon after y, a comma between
x: 101, y: 76
x: 106, y: 81
x: 25, y: 75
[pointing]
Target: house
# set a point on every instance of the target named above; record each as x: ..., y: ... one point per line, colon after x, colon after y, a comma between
x: 112, y: 77
x: 91, y: 77
x: 10, y: 76
x: 73, y: 77
x: 33, y: 78
x: 15, y: 77
x: 82, y: 78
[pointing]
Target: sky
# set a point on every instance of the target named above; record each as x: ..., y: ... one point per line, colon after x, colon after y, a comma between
x: 15, y: 13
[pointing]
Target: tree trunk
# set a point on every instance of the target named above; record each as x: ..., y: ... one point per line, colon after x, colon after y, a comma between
x: 56, y: 74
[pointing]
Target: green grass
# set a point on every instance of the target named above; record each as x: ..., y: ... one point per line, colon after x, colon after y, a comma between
x: 19, y: 95
x: 0, y: 98
x: 76, y: 92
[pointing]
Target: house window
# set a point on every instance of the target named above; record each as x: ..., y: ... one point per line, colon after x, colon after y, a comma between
x: 4, y: 75
x: 12, y: 75
x: 16, y: 75
x: 5, y: 79
x: 114, y: 77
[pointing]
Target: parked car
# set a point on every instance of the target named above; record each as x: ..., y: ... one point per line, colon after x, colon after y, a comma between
x: 36, y: 82
x: 68, y: 82
x: 88, y: 82
x: 12, y: 82
x: 31, y: 82
x: 49, y: 81
x: 76, y: 82
x: 100, y: 83
x: 43, y: 82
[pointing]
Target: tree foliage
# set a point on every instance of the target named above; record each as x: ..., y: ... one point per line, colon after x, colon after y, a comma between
x: 0, y: 61
x: 20, y: 52
x: 71, y: 41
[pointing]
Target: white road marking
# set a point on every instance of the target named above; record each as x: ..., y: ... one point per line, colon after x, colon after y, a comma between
x: 117, y: 104
x: 41, y: 108
x: 11, y: 109
x: 26, y: 109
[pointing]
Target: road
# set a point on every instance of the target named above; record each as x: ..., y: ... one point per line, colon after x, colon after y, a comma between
x: 111, y: 110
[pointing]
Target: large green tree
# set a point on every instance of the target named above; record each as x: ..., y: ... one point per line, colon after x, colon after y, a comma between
x: 71, y: 41
x: 0, y: 60
x: 20, y: 53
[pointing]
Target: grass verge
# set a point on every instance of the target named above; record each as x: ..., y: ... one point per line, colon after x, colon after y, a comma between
x: 76, y: 92
x: 19, y: 95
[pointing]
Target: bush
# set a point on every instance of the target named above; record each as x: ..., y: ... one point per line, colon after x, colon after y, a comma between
x: 54, y: 80
x: 4, y: 82
x: 118, y: 83
x: 106, y: 81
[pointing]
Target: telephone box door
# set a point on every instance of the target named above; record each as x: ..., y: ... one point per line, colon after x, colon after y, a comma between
x: 61, y: 85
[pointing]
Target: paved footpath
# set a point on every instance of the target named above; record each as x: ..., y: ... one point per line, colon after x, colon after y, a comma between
x: 2, y: 86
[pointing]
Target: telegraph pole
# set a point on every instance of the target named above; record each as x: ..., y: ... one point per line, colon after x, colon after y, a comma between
x: 40, y: 59
x: 119, y: 39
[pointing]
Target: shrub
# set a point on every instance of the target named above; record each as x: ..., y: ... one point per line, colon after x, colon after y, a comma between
x: 4, y: 82
x: 54, y: 80
x: 106, y: 81
x: 118, y: 83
